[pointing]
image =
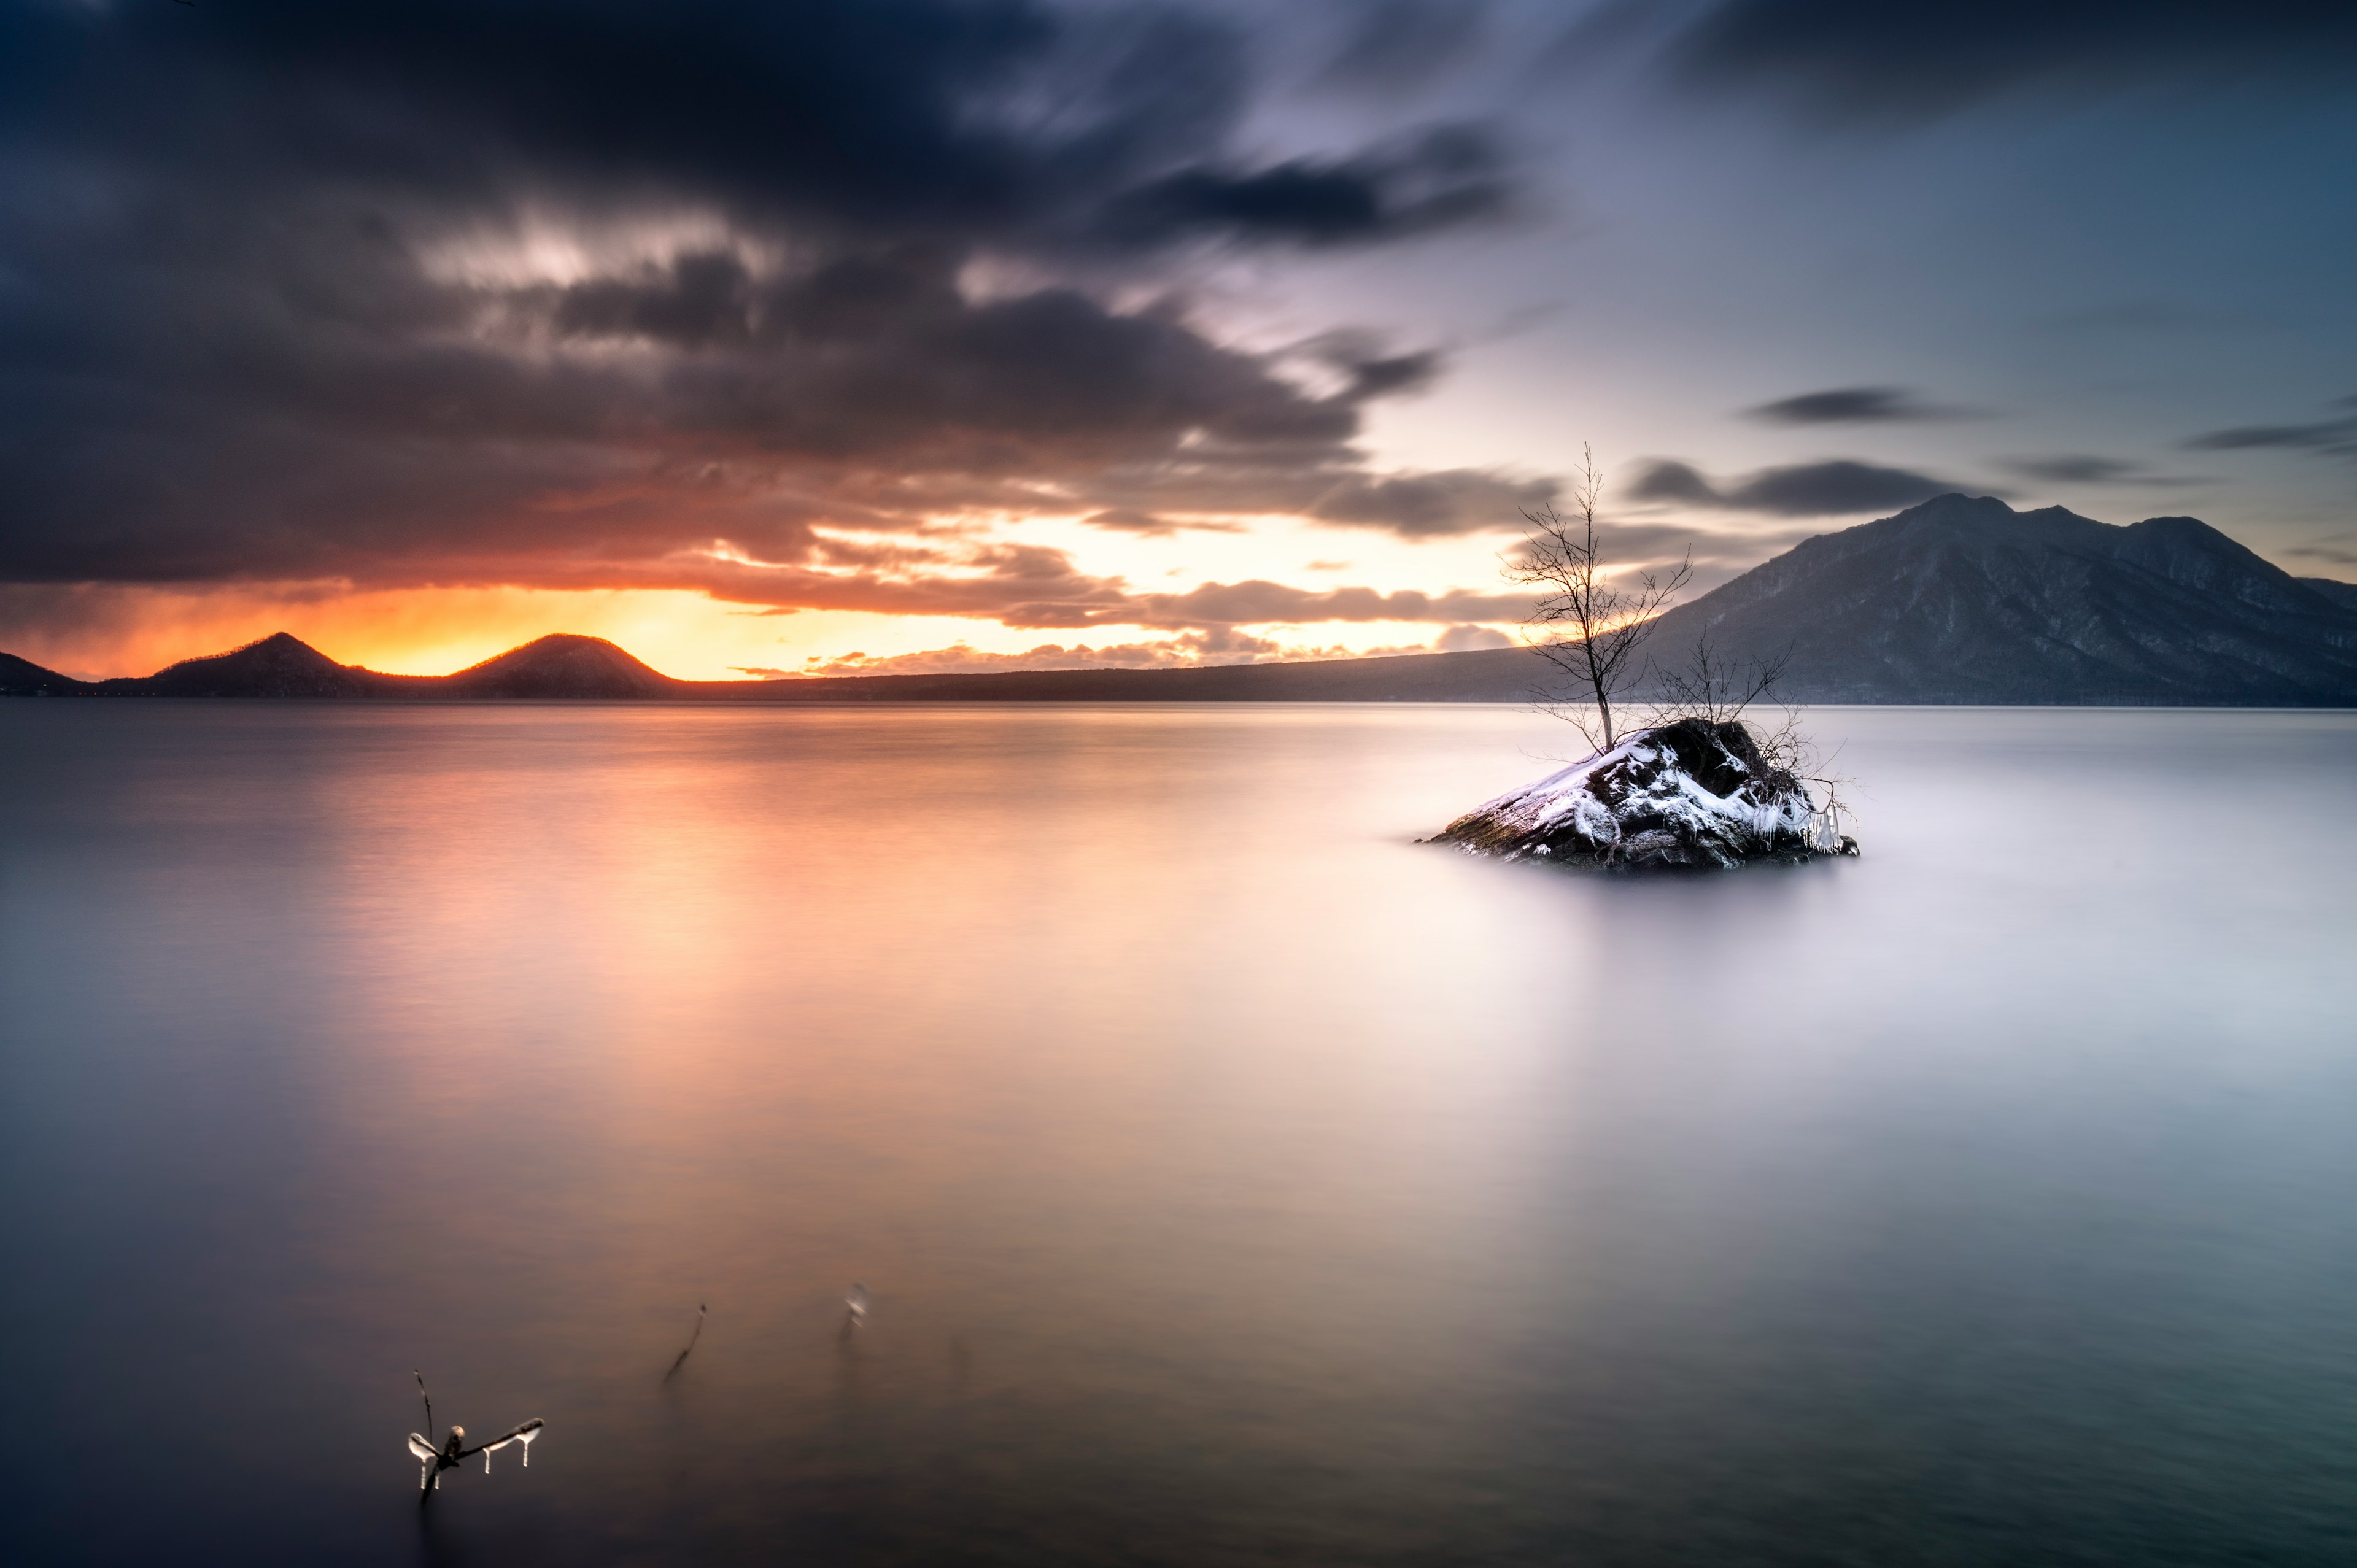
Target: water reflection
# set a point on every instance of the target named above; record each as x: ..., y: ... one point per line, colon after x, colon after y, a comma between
x: 1239, y: 1180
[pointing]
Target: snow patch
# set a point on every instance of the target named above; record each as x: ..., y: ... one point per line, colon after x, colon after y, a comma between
x: 1693, y: 793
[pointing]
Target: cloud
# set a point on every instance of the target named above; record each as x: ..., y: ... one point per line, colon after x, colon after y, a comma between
x: 2072, y: 469
x: 1420, y: 506
x: 962, y: 659
x: 1449, y: 176
x: 1189, y: 650
x: 1850, y: 405
x: 1713, y: 555
x: 2084, y: 469
x: 1464, y: 638
x: 1833, y: 488
x: 1368, y: 371
x: 1017, y: 584
x: 2337, y: 436
x: 1258, y: 603
x: 1128, y: 520
x: 1322, y: 483
x: 2339, y: 549
x: 1668, y: 480
x: 1864, y: 59
x: 520, y: 292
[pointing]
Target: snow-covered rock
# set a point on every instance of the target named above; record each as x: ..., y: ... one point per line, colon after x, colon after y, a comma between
x: 1693, y: 793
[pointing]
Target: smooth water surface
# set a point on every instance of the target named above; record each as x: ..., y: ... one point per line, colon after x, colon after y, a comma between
x: 1234, y: 1181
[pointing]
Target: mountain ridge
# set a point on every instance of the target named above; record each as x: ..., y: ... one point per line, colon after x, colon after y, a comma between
x: 1962, y: 599
x: 1958, y: 600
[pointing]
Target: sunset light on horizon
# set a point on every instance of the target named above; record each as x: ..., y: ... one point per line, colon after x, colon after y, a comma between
x: 1258, y: 348
x: 683, y: 634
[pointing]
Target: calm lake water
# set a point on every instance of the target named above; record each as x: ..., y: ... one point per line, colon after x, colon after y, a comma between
x: 1235, y: 1181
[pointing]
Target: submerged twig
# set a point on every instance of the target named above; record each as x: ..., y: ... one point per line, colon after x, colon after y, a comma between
x: 693, y: 1335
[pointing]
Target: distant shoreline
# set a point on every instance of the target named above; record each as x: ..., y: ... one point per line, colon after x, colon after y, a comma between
x: 568, y: 669
x: 1959, y: 602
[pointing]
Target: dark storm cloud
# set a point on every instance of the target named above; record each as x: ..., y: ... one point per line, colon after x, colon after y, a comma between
x: 958, y: 116
x: 882, y: 353
x: 1850, y: 405
x: 1445, y: 177
x: 516, y: 291
x: 1805, y: 489
x: 1873, y: 59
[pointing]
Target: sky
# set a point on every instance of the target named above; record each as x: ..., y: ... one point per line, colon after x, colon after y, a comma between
x: 912, y: 335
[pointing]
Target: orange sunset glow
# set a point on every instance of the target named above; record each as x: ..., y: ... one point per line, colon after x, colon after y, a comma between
x: 435, y: 631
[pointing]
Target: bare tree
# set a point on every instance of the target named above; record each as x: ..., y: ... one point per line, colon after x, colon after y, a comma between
x: 1589, y: 626
x: 1591, y: 621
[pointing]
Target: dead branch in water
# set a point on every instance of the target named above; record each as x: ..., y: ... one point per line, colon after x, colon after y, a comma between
x: 693, y: 1335
x: 454, y: 1450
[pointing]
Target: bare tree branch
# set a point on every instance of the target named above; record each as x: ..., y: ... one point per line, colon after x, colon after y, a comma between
x: 1723, y: 689
x: 1712, y: 686
x: 524, y: 1434
x: 434, y: 1461
x: 1584, y: 624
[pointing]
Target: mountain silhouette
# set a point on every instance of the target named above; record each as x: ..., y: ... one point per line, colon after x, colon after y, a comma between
x: 1961, y: 599
x: 23, y: 678
x: 282, y: 665
x: 564, y: 666
x: 277, y: 666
